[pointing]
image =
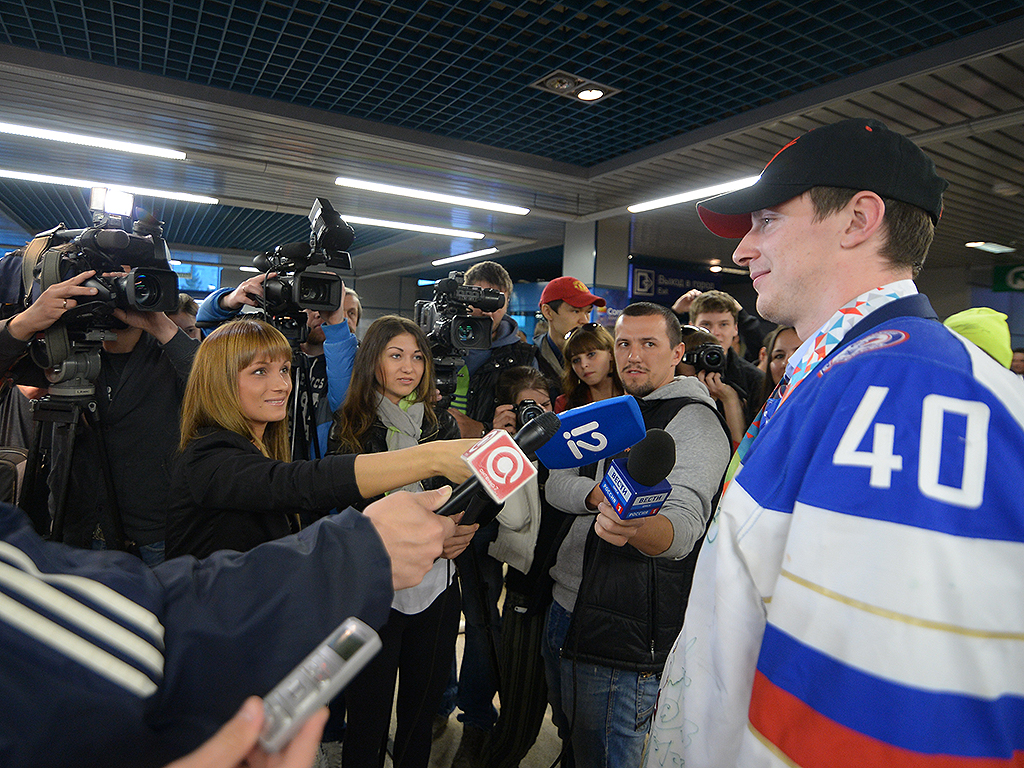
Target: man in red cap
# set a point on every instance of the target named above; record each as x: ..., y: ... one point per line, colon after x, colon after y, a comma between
x: 850, y: 604
x: 565, y: 304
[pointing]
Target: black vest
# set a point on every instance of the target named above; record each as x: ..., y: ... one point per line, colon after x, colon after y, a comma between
x: 630, y: 606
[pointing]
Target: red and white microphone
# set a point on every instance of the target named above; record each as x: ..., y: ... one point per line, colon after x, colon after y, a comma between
x: 500, y: 465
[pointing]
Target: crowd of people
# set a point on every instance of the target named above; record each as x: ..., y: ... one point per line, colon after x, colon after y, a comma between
x: 829, y: 581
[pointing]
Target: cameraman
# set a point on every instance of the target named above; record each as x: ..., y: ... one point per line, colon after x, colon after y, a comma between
x: 473, y: 407
x: 138, y: 396
x: 330, y: 349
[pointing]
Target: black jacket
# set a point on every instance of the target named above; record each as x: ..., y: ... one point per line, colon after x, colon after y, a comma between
x: 376, y: 441
x: 227, y: 495
x: 138, y: 403
x: 481, y: 397
x: 609, y: 626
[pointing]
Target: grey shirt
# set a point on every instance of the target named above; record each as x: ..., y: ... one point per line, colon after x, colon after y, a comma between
x: 702, y: 454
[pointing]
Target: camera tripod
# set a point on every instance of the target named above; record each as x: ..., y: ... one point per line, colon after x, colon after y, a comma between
x: 70, y: 403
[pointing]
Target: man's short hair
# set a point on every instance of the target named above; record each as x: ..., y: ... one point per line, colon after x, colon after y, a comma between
x: 908, y: 229
x: 647, y: 309
x: 711, y: 302
x: 693, y: 337
x: 490, y: 272
x: 186, y: 304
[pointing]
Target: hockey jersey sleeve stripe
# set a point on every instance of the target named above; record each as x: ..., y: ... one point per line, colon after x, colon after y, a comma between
x: 907, y: 719
x: 919, y: 654
x: 75, y: 647
x: 84, y: 619
x: 888, y: 567
x: 127, y: 611
x: 800, y: 736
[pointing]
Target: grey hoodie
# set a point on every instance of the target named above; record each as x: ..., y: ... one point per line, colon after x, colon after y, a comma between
x: 702, y: 454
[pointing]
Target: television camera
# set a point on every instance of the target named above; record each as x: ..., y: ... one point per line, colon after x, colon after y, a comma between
x: 451, y: 329
x: 296, y: 287
x: 69, y: 349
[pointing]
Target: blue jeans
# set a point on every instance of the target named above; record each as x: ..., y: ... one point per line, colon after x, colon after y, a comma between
x: 478, y: 679
x: 609, y: 709
x: 551, y: 651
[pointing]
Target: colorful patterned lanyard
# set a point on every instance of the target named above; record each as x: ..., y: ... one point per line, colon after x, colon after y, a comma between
x: 827, y: 339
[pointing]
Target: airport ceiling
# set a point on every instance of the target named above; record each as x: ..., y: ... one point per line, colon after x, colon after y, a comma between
x: 272, y: 101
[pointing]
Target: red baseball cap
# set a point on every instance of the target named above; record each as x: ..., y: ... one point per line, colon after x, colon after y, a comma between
x: 571, y: 291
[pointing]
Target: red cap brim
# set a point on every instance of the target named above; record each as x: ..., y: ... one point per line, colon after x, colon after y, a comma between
x: 724, y: 224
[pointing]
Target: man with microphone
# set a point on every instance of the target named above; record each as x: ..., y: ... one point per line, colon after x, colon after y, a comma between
x: 621, y: 585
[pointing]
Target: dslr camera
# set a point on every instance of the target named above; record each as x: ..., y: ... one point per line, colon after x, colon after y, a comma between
x: 706, y: 357
x: 450, y: 327
x: 296, y: 287
x: 527, y: 411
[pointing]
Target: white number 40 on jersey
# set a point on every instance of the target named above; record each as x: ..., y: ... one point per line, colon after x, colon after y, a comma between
x: 882, y: 460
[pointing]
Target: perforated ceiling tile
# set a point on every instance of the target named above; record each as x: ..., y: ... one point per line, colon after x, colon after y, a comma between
x: 461, y: 68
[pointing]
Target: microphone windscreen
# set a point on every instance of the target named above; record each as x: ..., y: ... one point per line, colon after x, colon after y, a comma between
x: 538, y: 431
x: 651, y: 459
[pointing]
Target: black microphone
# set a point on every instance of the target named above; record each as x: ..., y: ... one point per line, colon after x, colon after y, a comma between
x: 471, y: 493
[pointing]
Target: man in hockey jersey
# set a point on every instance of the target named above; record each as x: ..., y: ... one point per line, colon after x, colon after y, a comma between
x: 850, y: 604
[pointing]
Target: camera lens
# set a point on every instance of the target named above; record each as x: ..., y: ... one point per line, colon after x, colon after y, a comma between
x: 466, y: 333
x: 314, y: 292
x: 713, y: 358
x: 147, y: 291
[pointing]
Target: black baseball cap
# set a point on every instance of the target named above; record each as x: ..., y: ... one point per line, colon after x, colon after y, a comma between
x: 852, y: 154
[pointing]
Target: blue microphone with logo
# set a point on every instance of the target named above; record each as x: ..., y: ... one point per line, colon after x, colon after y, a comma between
x: 636, y: 486
x: 592, y: 432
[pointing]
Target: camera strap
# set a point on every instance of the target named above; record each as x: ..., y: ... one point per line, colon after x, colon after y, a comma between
x: 33, y: 251
x: 58, y: 346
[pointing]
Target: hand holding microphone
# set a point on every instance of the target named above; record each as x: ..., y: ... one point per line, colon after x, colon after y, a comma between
x: 635, y: 489
x: 490, y: 457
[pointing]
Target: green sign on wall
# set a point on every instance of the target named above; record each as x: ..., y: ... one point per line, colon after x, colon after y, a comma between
x: 1008, y: 278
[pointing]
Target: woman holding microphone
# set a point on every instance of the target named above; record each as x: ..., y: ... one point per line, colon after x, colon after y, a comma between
x: 233, y: 485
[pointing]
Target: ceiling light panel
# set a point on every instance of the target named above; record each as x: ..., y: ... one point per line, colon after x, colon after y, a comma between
x: 562, y: 83
x: 419, y: 194
x: 90, y: 141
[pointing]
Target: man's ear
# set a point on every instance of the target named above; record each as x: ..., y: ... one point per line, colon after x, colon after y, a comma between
x: 866, y: 212
x: 677, y: 354
x: 545, y: 309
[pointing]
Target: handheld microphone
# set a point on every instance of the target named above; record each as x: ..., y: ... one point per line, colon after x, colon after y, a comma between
x: 636, y: 486
x: 473, y: 495
x: 592, y: 432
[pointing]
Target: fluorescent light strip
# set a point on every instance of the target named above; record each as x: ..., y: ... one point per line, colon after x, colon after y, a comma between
x: 418, y: 194
x: 464, y: 257
x: 695, y: 194
x: 90, y: 141
x: 414, y: 227
x: 134, y: 190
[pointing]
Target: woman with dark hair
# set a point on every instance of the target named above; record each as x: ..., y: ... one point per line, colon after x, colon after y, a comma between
x: 390, y: 407
x: 232, y: 485
x: 779, y: 346
x: 588, y: 373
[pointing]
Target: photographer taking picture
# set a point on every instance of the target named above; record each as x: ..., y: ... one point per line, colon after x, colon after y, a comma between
x: 138, y: 392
